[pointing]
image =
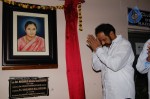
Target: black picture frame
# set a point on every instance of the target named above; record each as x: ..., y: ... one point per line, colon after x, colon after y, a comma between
x: 11, y: 57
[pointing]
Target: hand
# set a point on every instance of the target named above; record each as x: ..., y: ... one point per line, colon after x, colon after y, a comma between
x: 93, y: 43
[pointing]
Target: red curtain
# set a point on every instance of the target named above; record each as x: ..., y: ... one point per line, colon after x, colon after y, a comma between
x: 73, y: 60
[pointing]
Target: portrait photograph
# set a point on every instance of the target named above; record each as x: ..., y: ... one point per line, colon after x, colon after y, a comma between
x: 30, y: 34
x: 29, y: 38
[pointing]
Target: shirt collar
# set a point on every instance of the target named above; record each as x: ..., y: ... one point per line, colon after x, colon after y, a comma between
x: 117, y: 39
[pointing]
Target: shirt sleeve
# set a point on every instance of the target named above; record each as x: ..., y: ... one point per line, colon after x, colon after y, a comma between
x: 119, y: 57
x: 97, y: 64
x: 143, y: 65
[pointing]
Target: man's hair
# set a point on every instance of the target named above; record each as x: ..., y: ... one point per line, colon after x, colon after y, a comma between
x: 106, y: 28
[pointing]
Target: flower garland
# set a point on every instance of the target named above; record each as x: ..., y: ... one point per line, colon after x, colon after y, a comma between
x: 32, y: 6
x: 80, y: 17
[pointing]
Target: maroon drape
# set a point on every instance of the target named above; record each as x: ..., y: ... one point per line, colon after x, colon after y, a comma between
x: 73, y: 60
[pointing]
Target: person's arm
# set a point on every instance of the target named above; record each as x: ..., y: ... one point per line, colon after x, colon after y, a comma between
x: 94, y: 44
x: 118, y: 59
x: 143, y: 63
x: 97, y: 64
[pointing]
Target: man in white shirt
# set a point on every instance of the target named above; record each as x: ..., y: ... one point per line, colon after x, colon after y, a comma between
x: 143, y: 63
x: 113, y: 55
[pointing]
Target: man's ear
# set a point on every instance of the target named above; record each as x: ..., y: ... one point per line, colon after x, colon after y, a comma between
x: 112, y: 35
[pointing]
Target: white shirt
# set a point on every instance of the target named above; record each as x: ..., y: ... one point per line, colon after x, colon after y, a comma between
x: 115, y: 64
x: 143, y: 66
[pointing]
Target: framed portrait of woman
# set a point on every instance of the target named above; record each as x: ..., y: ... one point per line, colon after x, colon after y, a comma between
x: 30, y: 34
x: 29, y: 38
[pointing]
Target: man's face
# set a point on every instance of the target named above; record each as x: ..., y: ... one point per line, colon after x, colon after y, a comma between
x: 104, y: 40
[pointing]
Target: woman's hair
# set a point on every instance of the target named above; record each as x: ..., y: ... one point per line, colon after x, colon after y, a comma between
x: 106, y: 28
x: 30, y: 22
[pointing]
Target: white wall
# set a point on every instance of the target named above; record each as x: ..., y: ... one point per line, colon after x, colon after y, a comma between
x: 94, y: 12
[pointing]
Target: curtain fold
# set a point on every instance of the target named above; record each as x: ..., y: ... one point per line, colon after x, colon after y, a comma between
x: 73, y: 59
